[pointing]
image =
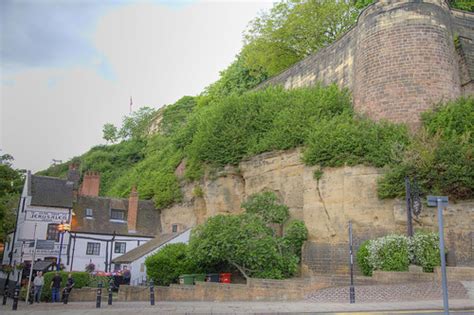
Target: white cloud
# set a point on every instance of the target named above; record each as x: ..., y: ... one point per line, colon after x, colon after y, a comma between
x: 157, y: 54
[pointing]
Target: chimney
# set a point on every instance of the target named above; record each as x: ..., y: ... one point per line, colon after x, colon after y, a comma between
x: 73, y: 175
x: 90, y: 184
x: 132, y: 210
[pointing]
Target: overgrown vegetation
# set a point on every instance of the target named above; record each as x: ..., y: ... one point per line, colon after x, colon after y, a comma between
x: 229, y: 121
x: 440, y: 156
x: 396, y: 252
x: 11, y: 184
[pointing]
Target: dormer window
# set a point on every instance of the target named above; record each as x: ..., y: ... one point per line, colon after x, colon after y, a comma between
x: 89, y: 213
x: 117, y: 214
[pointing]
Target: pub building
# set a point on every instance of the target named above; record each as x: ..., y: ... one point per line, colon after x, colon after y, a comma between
x: 75, y: 226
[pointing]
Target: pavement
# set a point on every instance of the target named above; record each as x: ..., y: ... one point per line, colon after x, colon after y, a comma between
x: 412, y: 298
x: 463, y: 306
x: 421, y: 291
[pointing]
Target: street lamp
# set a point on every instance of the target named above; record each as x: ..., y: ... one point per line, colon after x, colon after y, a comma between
x: 62, y: 228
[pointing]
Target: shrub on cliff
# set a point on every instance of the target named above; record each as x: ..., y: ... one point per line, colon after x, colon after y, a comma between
x: 272, y: 119
x: 440, y: 157
x: 348, y: 140
x: 165, y: 266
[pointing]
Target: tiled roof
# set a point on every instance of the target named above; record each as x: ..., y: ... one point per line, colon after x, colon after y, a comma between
x: 146, y: 248
x: 148, y: 218
x: 50, y: 191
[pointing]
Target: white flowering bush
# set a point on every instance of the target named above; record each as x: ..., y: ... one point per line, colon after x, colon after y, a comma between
x: 395, y: 253
x: 424, y: 250
x: 389, y: 253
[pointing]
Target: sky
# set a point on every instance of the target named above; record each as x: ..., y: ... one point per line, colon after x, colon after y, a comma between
x: 67, y: 67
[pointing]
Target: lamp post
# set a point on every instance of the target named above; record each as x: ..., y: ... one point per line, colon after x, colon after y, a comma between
x: 62, y: 228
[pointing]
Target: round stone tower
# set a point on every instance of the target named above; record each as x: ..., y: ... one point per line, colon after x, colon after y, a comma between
x: 404, y: 60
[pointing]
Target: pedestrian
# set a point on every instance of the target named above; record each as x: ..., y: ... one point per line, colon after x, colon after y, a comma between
x: 67, y: 290
x: 126, y: 275
x: 38, y: 283
x: 55, y: 287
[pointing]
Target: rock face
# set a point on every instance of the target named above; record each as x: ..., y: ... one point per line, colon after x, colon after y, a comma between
x: 325, y: 205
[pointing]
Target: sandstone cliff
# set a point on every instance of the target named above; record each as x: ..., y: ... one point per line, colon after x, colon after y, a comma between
x: 326, y: 206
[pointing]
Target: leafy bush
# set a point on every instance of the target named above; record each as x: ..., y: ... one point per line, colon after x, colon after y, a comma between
x: 295, y: 235
x: 272, y: 119
x: 363, y: 259
x: 389, y: 253
x: 347, y: 140
x: 266, y: 206
x: 81, y: 279
x: 440, y: 156
x: 165, y: 266
x: 424, y: 250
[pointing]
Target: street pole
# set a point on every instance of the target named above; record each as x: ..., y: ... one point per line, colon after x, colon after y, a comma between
x: 408, y: 201
x: 443, y: 256
x: 60, y: 252
x: 31, y: 268
x: 351, y: 288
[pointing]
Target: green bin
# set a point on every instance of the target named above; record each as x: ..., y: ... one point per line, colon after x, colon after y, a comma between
x: 186, y: 279
x: 199, y: 277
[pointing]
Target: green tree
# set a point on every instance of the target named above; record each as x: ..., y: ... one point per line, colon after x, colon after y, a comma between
x: 165, y: 266
x: 110, y: 133
x: 135, y: 126
x: 11, y: 183
x: 247, y: 241
x: 292, y: 30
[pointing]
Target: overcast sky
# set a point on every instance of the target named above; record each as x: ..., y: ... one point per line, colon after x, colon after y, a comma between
x: 67, y: 67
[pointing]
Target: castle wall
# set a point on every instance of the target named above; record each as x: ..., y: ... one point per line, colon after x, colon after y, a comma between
x: 398, y: 60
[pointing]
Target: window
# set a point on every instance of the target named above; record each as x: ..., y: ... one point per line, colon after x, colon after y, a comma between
x: 117, y: 214
x: 88, y: 213
x: 142, y: 267
x: 120, y: 247
x: 116, y: 267
x: 52, y: 233
x: 93, y: 248
x: 174, y: 228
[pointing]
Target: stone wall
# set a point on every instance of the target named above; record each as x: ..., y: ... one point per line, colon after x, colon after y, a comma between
x: 398, y: 60
x: 342, y: 194
x: 254, y: 290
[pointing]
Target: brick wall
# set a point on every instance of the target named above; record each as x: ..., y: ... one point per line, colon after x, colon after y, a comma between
x: 399, y: 60
x: 254, y: 290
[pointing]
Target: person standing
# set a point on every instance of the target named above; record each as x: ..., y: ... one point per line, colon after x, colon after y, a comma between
x: 56, y: 286
x: 38, y: 283
x: 67, y: 290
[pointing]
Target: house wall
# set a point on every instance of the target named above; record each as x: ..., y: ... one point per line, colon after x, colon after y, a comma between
x: 81, y: 259
x: 138, y: 268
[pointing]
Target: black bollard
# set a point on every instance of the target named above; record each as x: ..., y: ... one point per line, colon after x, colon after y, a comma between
x: 111, y: 285
x: 66, y: 292
x: 16, y: 295
x: 152, y: 293
x: 5, y: 292
x: 99, y: 295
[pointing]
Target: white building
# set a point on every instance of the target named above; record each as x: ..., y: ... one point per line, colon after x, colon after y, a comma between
x: 134, y: 260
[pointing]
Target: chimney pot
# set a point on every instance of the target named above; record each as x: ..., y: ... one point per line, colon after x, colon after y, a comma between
x: 132, y: 210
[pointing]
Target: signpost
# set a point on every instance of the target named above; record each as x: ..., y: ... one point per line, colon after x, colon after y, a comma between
x: 441, y: 202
